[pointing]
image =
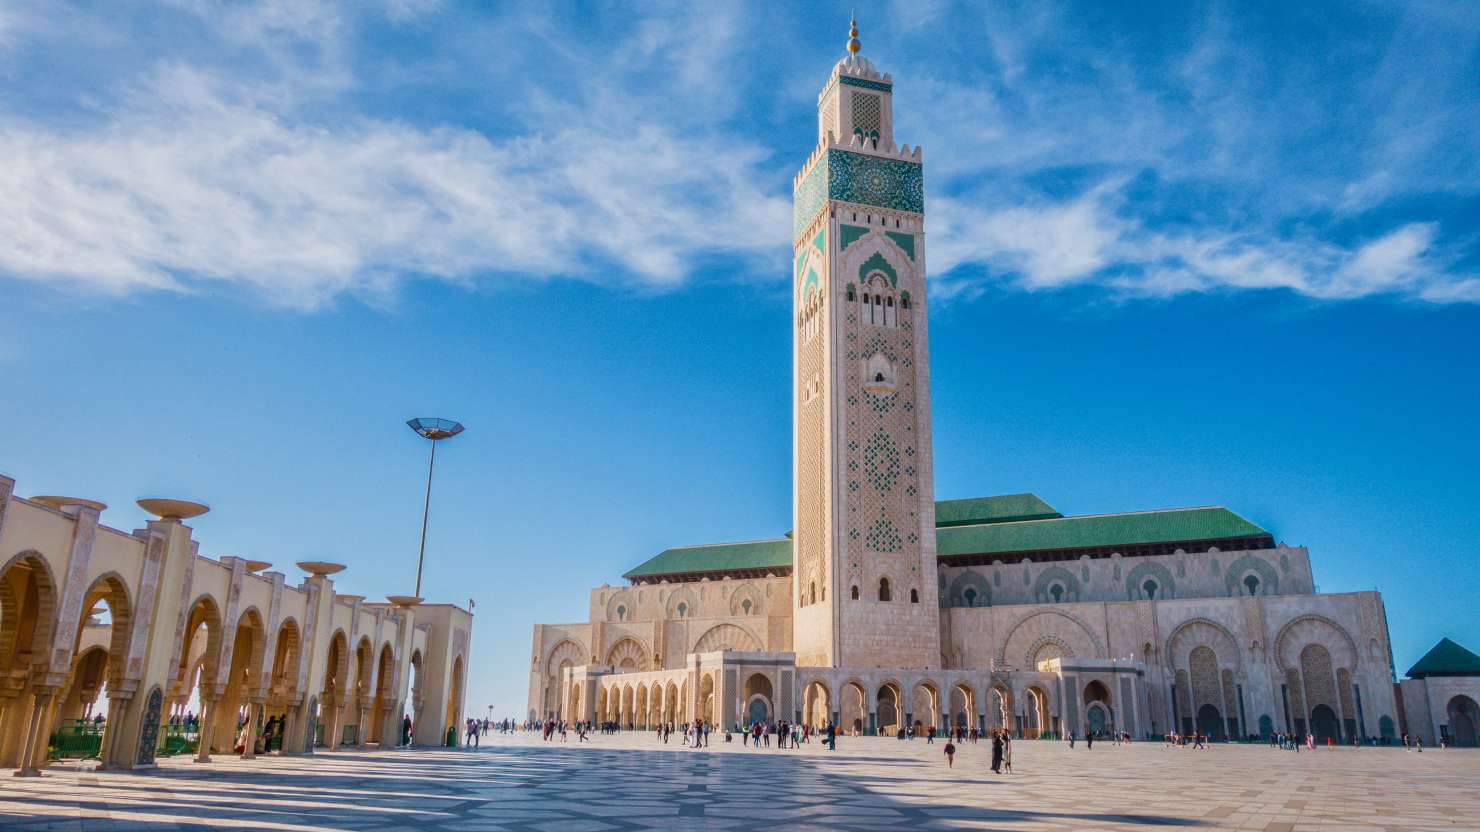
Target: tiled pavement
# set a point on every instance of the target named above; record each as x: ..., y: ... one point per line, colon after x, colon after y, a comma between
x: 635, y: 782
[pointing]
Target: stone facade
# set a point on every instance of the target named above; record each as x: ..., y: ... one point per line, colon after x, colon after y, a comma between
x: 895, y: 611
x: 222, y: 631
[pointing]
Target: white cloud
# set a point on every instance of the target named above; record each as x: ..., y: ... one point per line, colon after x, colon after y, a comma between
x: 1086, y: 238
x: 204, y: 185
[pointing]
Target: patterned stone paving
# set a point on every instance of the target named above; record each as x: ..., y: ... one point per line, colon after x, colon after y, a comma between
x: 635, y: 782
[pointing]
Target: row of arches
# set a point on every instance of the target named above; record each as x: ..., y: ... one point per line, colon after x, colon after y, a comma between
x: 892, y: 706
x: 222, y: 673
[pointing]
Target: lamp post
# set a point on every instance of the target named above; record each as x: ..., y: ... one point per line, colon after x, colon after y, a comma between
x: 434, y: 430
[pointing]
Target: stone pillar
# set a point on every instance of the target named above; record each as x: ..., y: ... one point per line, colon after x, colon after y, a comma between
x: 333, y: 714
x: 207, y: 729
x: 360, y: 732
x: 34, y: 735
x: 111, y: 729
x: 249, y: 748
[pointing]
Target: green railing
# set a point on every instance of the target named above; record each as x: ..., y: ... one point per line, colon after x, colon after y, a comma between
x: 177, y: 739
x: 76, y: 739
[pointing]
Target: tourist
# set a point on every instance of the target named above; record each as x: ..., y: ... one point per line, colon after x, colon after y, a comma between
x: 1071, y: 739
x: 1007, y: 753
x: 832, y: 737
x: 706, y: 733
x: 930, y: 735
x: 405, y: 729
x: 1089, y: 740
x: 950, y: 750
x: 997, y: 750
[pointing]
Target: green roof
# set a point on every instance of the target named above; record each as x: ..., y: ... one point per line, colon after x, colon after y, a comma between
x: 1095, y: 531
x: 985, y: 525
x: 720, y: 557
x: 1446, y: 659
x: 992, y: 510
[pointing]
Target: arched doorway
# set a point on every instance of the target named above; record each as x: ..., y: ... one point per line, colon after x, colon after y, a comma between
x: 384, y: 694
x: 1037, y: 714
x: 759, y: 699
x: 963, y: 706
x: 886, y: 708
x: 364, y: 693
x: 239, y: 718
x: 335, y: 693
x: 98, y: 652
x: 854, y: 708
x: 195, y: 675
x: 454, y: 698
x: 924, y: 708
x: 1323, y: 723
x: 816, y: 704
x: 1210, y: 722
x: 1462, y: 714
x: 282, y: 691
x: 1097, y: 708
x: 27, y: 614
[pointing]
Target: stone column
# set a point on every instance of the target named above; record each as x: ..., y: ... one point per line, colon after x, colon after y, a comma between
x: 360, y: 732
x: 33, y: 735
x: 207, y: 729
x: 116, y: 704
x: 249, y: 748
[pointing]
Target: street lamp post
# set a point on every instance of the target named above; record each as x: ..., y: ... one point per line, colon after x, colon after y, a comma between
x: 434, y: 430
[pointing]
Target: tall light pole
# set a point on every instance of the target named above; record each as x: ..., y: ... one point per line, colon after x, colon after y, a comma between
x: 434, y: 430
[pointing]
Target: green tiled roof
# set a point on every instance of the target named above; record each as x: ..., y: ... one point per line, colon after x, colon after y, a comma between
x: 720, y: 557
x: 1095, y: 531
x: 992, y: 510
x: 1446, y: 659
x: 985, y: 525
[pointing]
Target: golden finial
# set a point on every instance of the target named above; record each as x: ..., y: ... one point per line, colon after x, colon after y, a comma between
x: 853, y: 44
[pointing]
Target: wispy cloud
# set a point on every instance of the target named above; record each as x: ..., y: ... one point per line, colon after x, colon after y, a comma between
x: 302, y: 151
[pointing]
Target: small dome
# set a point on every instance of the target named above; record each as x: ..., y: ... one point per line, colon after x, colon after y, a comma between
x: 857, y: 65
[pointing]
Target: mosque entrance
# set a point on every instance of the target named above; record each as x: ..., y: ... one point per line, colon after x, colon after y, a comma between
x: 1209, y: 722
x: 1462, y: 714
x: 1323, y: 724
x: 758, y: 711
x: 1096, y: 718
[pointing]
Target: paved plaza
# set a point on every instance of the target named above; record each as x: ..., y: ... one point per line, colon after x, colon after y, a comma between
x: 634, y: 782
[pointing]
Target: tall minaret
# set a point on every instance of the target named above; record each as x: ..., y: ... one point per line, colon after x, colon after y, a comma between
x: 864, y: 579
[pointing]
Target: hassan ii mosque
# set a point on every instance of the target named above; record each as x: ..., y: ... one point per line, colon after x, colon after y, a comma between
x: 886, y: 609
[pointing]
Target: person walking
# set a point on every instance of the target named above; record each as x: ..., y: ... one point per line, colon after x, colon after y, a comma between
x: 997, y: 752
x: 1007, y: 755
x: 950, y: 750
x: 1071, y: 739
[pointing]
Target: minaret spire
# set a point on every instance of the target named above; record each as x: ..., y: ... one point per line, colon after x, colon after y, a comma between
x: 853, y: 44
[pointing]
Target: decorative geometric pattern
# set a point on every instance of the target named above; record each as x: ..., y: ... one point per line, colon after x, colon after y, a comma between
x: 881, y: 404
x: 882, y: 536
x: 866, y: 113
x: 881, y: 461
x: 870, y: 180
x: 809, y: 196
x: 149, y: 733
x: 865, y: 83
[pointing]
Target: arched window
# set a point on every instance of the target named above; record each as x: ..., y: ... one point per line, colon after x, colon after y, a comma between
x: 745, y: 606
x: 970, y: 595
x: 813, y: 595
x: 1252, y: 582
x: 914, y: 596
x: 855, y: 592
x: 683, y: 609
x: 621, y: 613
x: 879, y: 377
x: 851, y: 294
x: 1057, y: 591
x: 883, y: 589
x: 1150, y: 588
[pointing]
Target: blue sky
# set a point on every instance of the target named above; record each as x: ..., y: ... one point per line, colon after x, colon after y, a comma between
x: 1180, y: 255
